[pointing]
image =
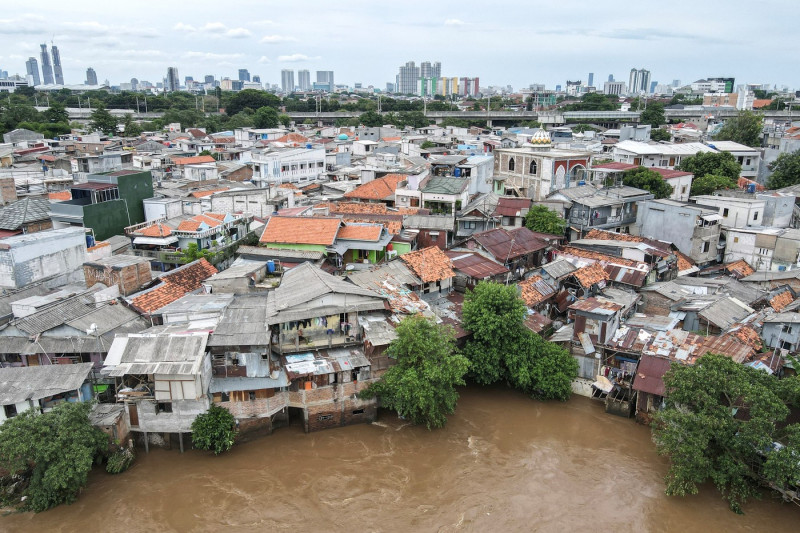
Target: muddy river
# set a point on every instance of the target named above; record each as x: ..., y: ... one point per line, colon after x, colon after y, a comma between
x: 503, y: 463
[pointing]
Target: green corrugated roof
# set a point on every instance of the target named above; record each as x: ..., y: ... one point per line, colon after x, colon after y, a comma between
x: 442, y: 185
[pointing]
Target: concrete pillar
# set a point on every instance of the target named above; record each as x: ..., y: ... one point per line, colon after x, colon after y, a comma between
x: 180, y: 440
x: 146, y: 443
x: 489, y: 123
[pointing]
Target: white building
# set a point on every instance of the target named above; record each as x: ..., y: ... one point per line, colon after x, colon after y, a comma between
x: 288, y: 165
x: 25, y: 259
x: 762, y: 210
x: 656, y: 154
x: 749, y: 158
x: 764, y: 248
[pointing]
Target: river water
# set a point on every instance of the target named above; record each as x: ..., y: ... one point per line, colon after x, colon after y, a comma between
x: 503, y: 463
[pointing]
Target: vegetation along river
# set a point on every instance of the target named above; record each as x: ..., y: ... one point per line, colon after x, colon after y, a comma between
x: 503, y: 463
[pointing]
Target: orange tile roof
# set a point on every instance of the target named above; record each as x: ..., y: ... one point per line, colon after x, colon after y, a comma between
x: 391, y: 139
x: 761, y: 102
x: 358, y: 207
x: 194, y: 223
x: 597, y: 256
x: 591, y: 274
x: 218, y: 216
x: 208, y: 192
x: 60, y: 195
x: 379, y: 189
x: 739, y: 269
x: 602, y: 235
x: 684, y: 262
x: 392, y: 226
x: 193, y: 160
x: 175, y: 285
x: 743, y: 183
x: 780, y: 301
x: 359, y: 232
x: 429, y: 264
x: 292, y: 138
x: 301, y: 230
x: 531, y: 293
x: 154, y: 230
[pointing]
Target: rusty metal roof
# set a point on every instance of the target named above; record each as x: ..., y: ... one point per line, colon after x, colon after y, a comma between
x: 504, y: 244
x: 596, y: 306
x: 650, y: 375
x: 475, y: 265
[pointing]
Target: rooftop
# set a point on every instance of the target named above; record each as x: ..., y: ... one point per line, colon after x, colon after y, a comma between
x: 378, y: 189
x: 429, y: 264
x: 301, y: 230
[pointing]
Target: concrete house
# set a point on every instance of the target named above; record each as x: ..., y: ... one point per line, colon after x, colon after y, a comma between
x: 26, y: 259
x: 680, y: 181
x: 693, y: 228
x: 595, y: 319
x: 478, y: 215
x: 520, y: 250
x: 764, y: 248
x: 288, y: 165
x: 746, y: 210
x: 42, y: 387
x: 29, y: 215
x: 612, y: 209
x: 781, y: 331
x: 749, y: 158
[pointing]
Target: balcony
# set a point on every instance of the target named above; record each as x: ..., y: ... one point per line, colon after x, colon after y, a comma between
x: 175, y: 257
x: 289, y: 343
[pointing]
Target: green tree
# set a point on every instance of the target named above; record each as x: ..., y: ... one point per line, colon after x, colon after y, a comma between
x: 660, y: 135
x: 785, y: 171
x: 721, y: 423
x: 542, y: 220
x: 503, y: 349
x: 102, y: 120
x: 649, y: 180
x: 426, y: 145
x: 56, y: 113
x: 55, y: 450
x: 745, y: 128
x: 240, y: 120
x: 131, y: 128
x: 371, y: 119
x: 710, y: 183
x: 194, y: 252
x: 594, y: 102
x: 421, y: 387
x: 266, y: 117
x: 717, y: 163
x: 653, y: 114
x: 251, y: 99
x: 214, y: 430
x: 286, y: 120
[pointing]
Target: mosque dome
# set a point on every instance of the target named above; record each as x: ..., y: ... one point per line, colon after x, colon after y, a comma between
x: 540, y: 137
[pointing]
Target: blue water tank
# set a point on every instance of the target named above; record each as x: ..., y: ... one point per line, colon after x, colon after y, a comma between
x: 271, y: 266
x: 308, y: 146
x: 751, y: 188
x: 89, y: 240
x: 457, y: 172
x: 582, y: 182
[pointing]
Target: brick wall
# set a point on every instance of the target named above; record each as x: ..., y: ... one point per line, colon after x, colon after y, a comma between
x: 8, y: 191
x: 335, y: 406
x: 129, y: 279
x: 655, y: 304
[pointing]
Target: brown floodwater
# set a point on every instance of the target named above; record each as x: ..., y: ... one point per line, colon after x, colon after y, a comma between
x: 503, y: 463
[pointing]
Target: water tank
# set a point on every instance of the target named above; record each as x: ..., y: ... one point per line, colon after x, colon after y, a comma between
x: 343, y: 137
x: 457, y: 172
x: 751, y: 188
x: 89, y: 240
x: 271, y: 266
x: 582, y: 182
x: 308, y: 146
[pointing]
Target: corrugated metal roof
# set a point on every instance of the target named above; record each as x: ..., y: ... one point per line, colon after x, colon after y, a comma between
x: 244, y: 323
x: 650, y: 374
x: 18, y: 384
x: 559, y: 268
x: 157, y: 354
x: 475, y: 265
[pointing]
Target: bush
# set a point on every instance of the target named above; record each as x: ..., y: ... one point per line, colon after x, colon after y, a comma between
x: 120, y: 461
x: 214, y: 430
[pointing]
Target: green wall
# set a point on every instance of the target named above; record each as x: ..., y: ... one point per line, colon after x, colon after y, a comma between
x: 111, y: 218
x: 295, y: 246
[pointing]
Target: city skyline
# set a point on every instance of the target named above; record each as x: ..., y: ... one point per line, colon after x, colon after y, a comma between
x: 541, y: 43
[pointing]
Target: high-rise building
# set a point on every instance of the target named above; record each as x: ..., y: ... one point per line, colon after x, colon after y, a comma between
x: 209, y: 79
x: 287, y: 80
x: 591, y: 80
x: 59, y: 75
x: 256, y: 78
x: 304, y: 80
x: 639, y: 81
x: 324, y: 81
x: 407, y: 78
x: 32, y: 67
x: 135, y: 85
x: 614, y: 87
x: 91, y: 78
x: 425, y: 69
x: 652, y: 87
x: 676, y: 83
x: 436, y: 70
x: 610, y: 77
x: 47, y: 68
x: 172, y: 82
x: 244, y: 74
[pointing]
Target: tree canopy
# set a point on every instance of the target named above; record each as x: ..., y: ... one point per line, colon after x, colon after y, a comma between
x: 595, y: 102
x: 658, y: 134
x: 102, y: 120
x: 653, y: 115
x: 725, y: 422
x: 785, y: 171
x: 55, y: 450
x: 214, y: 430
x: 266, y: 117
x: 542, y: 220
x: 710, y: 183
x: 745, y: 128
x: 503, y: 349
x: 421, y: 387
x: 649, y: 180
x: 717, y: 163
x: 251, y: 99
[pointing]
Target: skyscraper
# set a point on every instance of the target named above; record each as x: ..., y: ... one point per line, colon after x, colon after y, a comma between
x: 324, y: 81
x: 57, y: 65
x: 304, y: 80
x: 209, y: 79
x: 639, y: 81
x: 256, y: 78
x: 244, y: 74
x: 407, y: 78
x: 91, y: 78
x: 425, y: 69
x: 287, y: 80
x: 47, y: 69
x: 172, y: 83
x: 591, y: 79
x: 610, y: 77
x: 32, y: 67
x: 436, y: 69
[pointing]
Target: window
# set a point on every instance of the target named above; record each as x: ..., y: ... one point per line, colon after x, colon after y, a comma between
x: 706, y: 246
x: 683, y: 189
x: 470, y: 225
x: 252, y: 395
x: 747, y: 162
x: 322, y: 418
x: 11, y: 410
x: 358, y: 412
x: 724, y: 211
x: 163, y: 407
x: 511, y: 164
x: 736, y: 239
x: 434, y: 236
x: 226, y: 397
x: 533, y: 168
x: 755, y: 216
x: 787, y: 328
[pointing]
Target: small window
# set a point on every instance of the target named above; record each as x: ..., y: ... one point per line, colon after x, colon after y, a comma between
x: 322, y: 418
x: 164, y: 407
x: 725, y: 211
x: 11, y: 410
x: 533, y: 168
x: 252, y: 395
x: 736, y: 239
x: 755, y: 215
x: 511, y: 164
x: 706, y: 246
x: 358, y: 412
x: 683, y: 189
x: 226, y: 397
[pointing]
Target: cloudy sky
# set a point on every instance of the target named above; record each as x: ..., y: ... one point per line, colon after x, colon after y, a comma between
x: 516, y: 43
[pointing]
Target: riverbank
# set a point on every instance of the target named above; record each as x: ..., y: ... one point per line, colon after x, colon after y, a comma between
x: 503, y: 462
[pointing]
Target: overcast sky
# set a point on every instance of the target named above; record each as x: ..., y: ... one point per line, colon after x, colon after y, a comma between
x: 516, y: 43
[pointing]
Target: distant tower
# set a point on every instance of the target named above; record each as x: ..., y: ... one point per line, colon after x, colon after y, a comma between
x: 172, y: 83
x: 134, y: 84
x: 57, y: 65
x: 591, y: 79
x: 287, y: 80
x: 256, y: 78
x: 47, y: 68
x: 436, y: 70
x: 244, y: 74
x: 304, y: 80
x: 91, y: 76
x: 32, y: 67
